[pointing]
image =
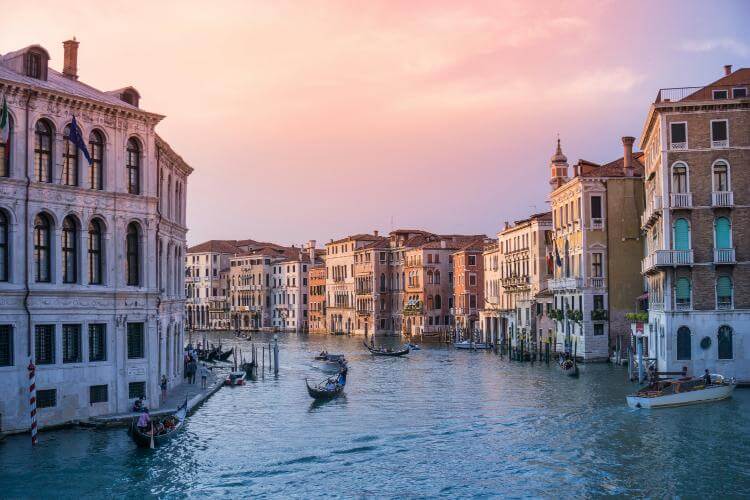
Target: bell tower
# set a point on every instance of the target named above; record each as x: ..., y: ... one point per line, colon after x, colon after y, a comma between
x: 558, y: 168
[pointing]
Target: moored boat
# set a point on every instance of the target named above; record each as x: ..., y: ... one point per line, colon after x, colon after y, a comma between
x: 235, y: 378
x: 466, y: 344
x: 386, y: 351
x: 683, y: 391
x: 223, y: 356
x: 161, y: 429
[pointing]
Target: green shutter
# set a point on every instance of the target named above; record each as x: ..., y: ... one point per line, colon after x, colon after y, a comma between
x: 681, y: 235
x: 683, y: 289
x: 722, y: 233
x: 724, y: 286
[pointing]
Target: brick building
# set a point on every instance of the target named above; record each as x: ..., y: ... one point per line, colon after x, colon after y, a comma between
x: 317, y: 293
x: 468, y: 285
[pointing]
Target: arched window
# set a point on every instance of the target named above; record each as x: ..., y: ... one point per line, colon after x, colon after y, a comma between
x: 70, y: 160
x: 437, y: 277
x: 429, y: 277
x: 42, y: 228
x: 133, y: 164
x: 132, y: 255
x: 721, y: 176
x: 683, y: 344
x: 682, y: 293
x: 69, y: 246
x: 438, y: 302
x: 681, y: 234
x: 5, y: 148
x: 96, y: 168
x: 680, y: 178
x: 43, y: 151
x: 725, y: 342
x: 723, y: 232
x: 382, y: 282
x: 4, y: 252
x: 724, y: 292
x: 95, y: 252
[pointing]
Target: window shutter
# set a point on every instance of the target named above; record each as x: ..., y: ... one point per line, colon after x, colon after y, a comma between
x: 683, y: 289
x: 724, y: 286
x: 722, y: 233
x: 681, y: 235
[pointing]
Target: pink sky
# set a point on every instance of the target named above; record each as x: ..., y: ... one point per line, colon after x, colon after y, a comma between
x: 312, y: 120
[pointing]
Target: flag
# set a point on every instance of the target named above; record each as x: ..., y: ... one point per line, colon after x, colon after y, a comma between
x: 76, y: 137
x: 4, y: 122
x: 558, y: 261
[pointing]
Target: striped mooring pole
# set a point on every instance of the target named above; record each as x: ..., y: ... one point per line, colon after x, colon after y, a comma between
x: 32, y: 401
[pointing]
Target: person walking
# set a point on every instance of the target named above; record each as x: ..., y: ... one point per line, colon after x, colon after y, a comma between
x: 163, y: 385
x: 204, y: 375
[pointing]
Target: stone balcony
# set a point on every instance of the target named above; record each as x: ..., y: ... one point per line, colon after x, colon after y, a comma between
x: 724, y: 256
x: 652, y: 211
x: 722, y: 199
x: 559, y: 284
x: 666, y: 258
x: 597, y: 282
x: 597, y: 224
x: 681, y: 200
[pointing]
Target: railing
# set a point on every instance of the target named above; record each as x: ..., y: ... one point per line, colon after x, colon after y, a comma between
x: 653, y: 209
x: 596, y: 282
x: 720, y: 144
x: 513, y: 281
x: 724, y: 304
x: 704, y: 93
x: 724, y: 256
x: 667, y: 258
x: 565, y: 283
x: 722, y: 198
x: 678, y: 145
x: 681, y: 200
x: 682, y: 306
x: 597, y: 223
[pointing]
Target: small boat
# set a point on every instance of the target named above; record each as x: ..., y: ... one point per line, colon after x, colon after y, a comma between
x: 383, y: 351
x: 472, y: 345
x: 145, y: 439
x: 323, y: 356
x: 235, y: 378
x: 329, y: 388
x: 683, y: 391
x: 223, y: 356
x: 250, y: 369
x: 414, y: 347
x: 569, y: 367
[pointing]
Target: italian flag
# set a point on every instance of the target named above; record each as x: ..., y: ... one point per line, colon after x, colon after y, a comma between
x: 4, y: 122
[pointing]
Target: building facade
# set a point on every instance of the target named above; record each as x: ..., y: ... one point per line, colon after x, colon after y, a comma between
x: 491, y: 316
x: 468, y: 286
x: 317, y: 293
x: 206, y: 275
x: 91, y: 249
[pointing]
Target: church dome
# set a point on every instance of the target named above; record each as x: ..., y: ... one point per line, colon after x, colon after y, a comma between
x: 559, y: 157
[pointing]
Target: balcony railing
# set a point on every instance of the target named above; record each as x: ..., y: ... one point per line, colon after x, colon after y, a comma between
x: 682, y: 306
x: 596, y: 282
x: 565, y: 283
x: 705, y: 93
x: 597, y: 224
x: 678, y: 145
x: 722, y: 198
x: 681, y: 200
x: 653, y: 210
x: 719, y: 144
x: 724, y: 256
x: 668, y: 258
x: 724, y: 304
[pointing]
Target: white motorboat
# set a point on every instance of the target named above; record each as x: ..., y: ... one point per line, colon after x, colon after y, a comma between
x: 680, y: 392
x: 471, y: 345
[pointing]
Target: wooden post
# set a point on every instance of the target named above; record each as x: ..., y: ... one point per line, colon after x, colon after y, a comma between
x: 275, y: 355
x: 263, y: 362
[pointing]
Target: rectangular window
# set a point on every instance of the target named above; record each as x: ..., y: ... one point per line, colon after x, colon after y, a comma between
x: 596, y: 265
x: 46, y: 398
x: 6, y: 345
x: 739, y: 93
x: 136, y: 390
x: 472, y: 279
x: 135, y: 341
x: 472, y: 301
x: 598, y: 328
x: 71, y: 343
x: 598, y: 302
x: 596, y: 207
x: 719, y: 134
x: 98, y: 394
x: 678, y: 138
x: 472, y: 260
x: 44, y: 344
x: 721, y: 94
x: 98, y: 342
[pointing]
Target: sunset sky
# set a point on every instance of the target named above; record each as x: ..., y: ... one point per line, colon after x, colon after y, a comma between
x: 313, y: 120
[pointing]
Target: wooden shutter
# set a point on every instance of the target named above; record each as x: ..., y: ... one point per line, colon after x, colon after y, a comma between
x: 683, y: 289
x: 723, y: 229
x: 681, y: 235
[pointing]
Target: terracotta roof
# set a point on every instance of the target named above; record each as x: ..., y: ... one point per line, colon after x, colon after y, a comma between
x: 215, y: 246
x: 356, y: 237
x: 613, y: 168
x: 738, y: 77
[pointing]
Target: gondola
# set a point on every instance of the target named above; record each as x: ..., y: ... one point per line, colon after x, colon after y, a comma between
x: 144, y: 439
x: 329, y: 388
x: 569, y: 368
x: 225, y: 355
x: 382, y: 352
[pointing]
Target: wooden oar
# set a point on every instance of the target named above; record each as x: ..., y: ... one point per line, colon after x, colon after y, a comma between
x: 151, y: 445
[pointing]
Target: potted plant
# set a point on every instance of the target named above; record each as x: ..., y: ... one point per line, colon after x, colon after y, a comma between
x: 599, y: 315
x: 637, y: 321
x: 575, y: 315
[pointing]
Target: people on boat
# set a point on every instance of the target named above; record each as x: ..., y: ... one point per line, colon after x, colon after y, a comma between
x: 139, y: 405
x: 707, y: 377
x: 144, y: 420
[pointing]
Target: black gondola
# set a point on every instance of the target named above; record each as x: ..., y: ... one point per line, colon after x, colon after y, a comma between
x: 329, y: 388
x: 144, y: 439
x: 383, y: 352
x: 225, y: 355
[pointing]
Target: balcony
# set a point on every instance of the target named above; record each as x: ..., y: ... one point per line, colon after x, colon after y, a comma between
x: 724, y: 256
x: 678, y: 146
x: 596, y: 282
x: 558, y: 284
x: 666, y: 258
x: 719, y: 144
x: 724, y: 304
x: 722, y: 199
x: 597, y: 224
x: 652, y: 212
x: 682, y: 306
x: 681, y: 200
x: 515, y: 281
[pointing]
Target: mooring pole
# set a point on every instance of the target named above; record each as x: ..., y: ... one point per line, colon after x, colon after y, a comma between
x: 639, y: 347
x: 275, y: 355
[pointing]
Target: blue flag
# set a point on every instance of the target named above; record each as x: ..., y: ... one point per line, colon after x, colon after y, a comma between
x: 76, y: 137
x: 558, y: 261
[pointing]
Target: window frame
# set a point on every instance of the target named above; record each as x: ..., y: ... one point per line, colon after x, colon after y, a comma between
x: 43, y: 248
x: 711, y: 133
x: 133, y: 255
x: 42, y: 400
x: 679, y: 164
x: 92, y: 327
x: 94, y: 255
x: 75, y: 330
x: 731, y: 342
x: 671, y: 141
x: 133, y: 169
x: 42, y: 155
x: 4, y: 247
x: 70, y: 154
x: 719, y: 91
x: 96, y: 168
x: 734, y: 96
x: 682, y: 329
x: 7, y: 150
x: 7, y: 330
x: 93, y: 391
x: 45, y: 329
x: 69, y: 250
x: 716, y: 163
x: 141, y: 347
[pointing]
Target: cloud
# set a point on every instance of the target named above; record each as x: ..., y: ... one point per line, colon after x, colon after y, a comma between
x: 728, y: 44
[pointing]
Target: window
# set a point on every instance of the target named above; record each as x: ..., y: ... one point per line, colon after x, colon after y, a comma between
x: 596, y: 207
x: 683, y: 344
x: 71, y: 343
x: 70, y: 160
x: 678, y: 135
x: 95, y: 252
x: 96, y: 170
x: 69, y: 250
x: 723, y: 232
x: 5, y: 150
x: 725, y: 342
x: 133, y: 255
x: 4, y: 247
x: 34, y: 65
x: 438, y: 302
x: 98, y: 394
x: 136, y: 390
x: 44, y: 344
x: 598, y: 328
x: 133, y: 165
x: 739, y: 93
x: 472, y: 279
x: 135, y: 341
x: 682, y: 293
x: 98, y: 342
x: 43, y: 151
x: 721, y: 94
x: 42, y: 249
x: 681, y: 235
x: 472, y: 260
x: 721, y: 176
x: 598, y: 302
x: 596, y: 265
x: 719, y: 134
x: 680, y: 178
x: 46, y: 398
x: 437, y: 277
x: 473, y: 302
x: 6, y: 345
x: 724, y: 292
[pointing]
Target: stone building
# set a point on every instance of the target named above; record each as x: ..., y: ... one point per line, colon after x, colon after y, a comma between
x: 91, y: 252
x: 372, y: 273
x: 491, y: 316
x: 468, y: 285
x: 206, y: 275
x: 596, y: 251
x: 697, y: 245
x: 317, y: 294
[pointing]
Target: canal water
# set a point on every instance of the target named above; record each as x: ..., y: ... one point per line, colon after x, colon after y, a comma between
x: 439, y: 422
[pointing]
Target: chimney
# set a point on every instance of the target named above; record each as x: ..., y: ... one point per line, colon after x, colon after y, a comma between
x: 70, y: 59
x: 575, y: 170
x: 627, y: 156
x: 311, y: 250
x: 727, y: 69
x: 375, y: 232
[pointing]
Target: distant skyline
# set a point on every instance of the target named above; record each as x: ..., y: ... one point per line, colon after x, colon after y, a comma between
x: 314, y: 120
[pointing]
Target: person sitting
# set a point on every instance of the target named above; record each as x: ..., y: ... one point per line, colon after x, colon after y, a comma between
x: 139, y: 405
x: 144, y: 420
x: 707, y: 377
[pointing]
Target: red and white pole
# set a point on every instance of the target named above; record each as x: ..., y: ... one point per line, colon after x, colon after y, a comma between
x: 32, y: 401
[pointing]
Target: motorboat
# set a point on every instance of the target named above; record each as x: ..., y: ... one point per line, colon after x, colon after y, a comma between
x: 235, y: 378
x: 682, y: 391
